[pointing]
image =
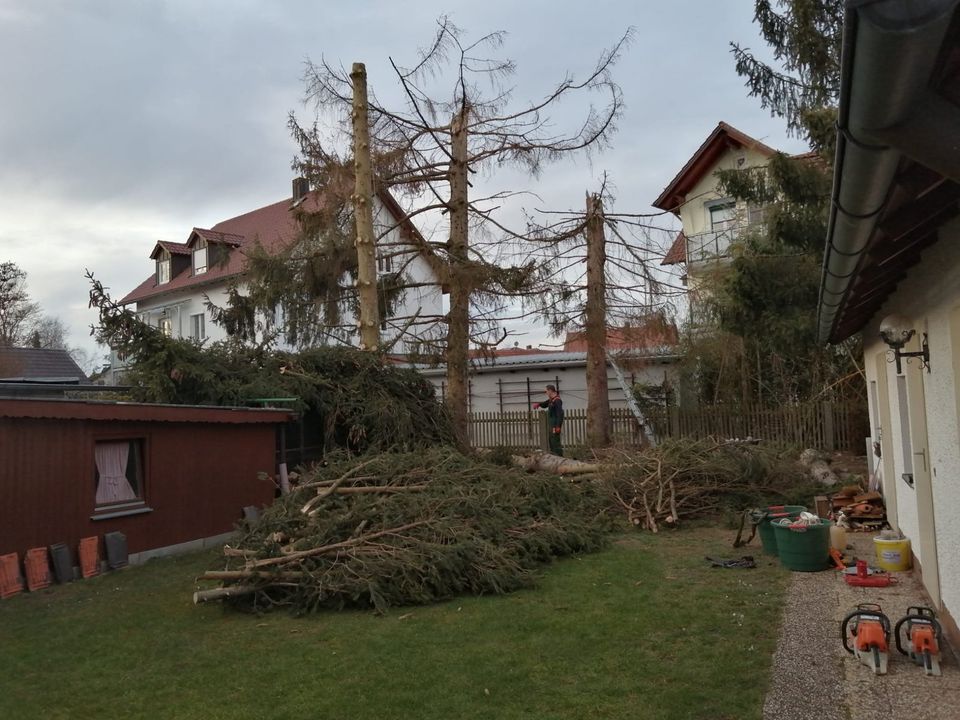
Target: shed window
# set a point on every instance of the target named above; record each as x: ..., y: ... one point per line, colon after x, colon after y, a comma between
x: 118, y: 474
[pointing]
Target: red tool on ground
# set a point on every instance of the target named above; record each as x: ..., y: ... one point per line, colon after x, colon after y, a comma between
x: 923, y: 638
x: 865, y: 633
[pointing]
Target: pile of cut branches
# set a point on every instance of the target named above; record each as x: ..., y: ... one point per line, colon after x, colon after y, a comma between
x: 406, y: 528
x: 689, y: 478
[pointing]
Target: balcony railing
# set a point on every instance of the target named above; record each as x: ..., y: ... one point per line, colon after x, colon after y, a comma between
x: 711, y: 245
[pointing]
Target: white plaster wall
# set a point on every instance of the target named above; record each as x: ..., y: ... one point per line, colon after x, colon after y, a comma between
x: 485, y: 390
x: 928, y: 296
x: 181, y: 305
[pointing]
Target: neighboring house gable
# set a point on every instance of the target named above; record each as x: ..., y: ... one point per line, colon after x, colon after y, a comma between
x: 711, y: 221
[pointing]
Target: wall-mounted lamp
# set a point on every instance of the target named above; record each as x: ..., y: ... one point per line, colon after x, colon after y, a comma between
x: 896, y: 331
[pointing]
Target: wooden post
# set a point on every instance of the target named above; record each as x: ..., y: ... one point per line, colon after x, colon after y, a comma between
x: 829, y: 437
x: 363, y: 214
x: 595, y: 328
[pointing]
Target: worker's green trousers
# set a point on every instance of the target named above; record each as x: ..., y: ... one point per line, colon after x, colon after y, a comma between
x: 555, y: 447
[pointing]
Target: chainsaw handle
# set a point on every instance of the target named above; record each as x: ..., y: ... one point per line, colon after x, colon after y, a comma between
x: 843, y: 630
x: 918, y: 616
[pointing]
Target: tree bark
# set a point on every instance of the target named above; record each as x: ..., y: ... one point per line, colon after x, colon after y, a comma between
x: 363, y: 214
x: 458, y: 330
x: 547, y: 462
x: 598, y: 396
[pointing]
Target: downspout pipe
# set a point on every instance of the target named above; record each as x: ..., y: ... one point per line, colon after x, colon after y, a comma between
x: 890, y: 49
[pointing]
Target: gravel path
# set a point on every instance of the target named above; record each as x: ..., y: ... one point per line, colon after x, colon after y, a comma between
x: 813, y: 676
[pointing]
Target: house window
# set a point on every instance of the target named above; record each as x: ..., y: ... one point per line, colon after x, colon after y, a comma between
x: 723, y: 215
x: 197, y: 329
x: 384, y: 263
x: 166, y: 326
x: 163, y: 268
x: 200, y: 257
x: 118, y: 474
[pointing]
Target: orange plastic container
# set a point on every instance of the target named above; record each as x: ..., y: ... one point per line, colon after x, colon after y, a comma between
x: 38, y: 568
x: 90, y: 556
x: 10, y: 581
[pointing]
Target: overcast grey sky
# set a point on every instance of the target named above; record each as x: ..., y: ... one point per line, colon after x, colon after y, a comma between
x: 124, y: 122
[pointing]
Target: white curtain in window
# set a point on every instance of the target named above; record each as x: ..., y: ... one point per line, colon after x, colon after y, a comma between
x: 111, y: 458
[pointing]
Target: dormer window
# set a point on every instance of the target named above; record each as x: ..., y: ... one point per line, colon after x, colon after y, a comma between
x: 200, y: 257
x: 163, y: 268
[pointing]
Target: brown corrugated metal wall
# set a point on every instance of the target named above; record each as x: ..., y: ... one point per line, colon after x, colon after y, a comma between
x: 198, y: 476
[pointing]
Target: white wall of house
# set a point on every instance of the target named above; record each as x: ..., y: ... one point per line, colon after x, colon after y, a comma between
x: 506, y: 387
x: 930, y: 298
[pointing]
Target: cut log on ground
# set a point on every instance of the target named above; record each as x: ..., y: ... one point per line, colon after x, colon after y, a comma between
x: 548, y: 462
x: 818, y: 466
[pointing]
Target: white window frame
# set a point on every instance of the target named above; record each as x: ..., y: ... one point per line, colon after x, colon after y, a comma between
x: 727, y: 223
x: 163, y: 269
x: 198, y: 330
x: 199, y: 257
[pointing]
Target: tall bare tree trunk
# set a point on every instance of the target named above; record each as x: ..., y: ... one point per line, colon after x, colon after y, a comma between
x: 598, y: 397
x: 458, y: 331
x: 363, y: 214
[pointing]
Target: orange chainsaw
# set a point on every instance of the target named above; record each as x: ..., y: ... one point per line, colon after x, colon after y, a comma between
x: 865, y: 633
x: 924, y: 637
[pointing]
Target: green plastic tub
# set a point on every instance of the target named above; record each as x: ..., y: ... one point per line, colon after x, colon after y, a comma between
x: 804, y: 548
x: 763, y: 518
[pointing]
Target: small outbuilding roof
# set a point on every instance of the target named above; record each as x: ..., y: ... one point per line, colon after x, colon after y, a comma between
x: 137, y: 412
x: 39, y: 365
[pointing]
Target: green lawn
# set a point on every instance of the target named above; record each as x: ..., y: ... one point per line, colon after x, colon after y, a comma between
x: 643, y: 630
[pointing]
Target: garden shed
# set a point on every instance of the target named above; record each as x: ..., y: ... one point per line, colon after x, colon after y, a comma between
x: 163, y: 475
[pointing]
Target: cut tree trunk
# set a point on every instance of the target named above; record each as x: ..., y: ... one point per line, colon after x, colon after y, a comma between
x: 458, y: 327
x: 363, y: 214
x: 547, y: 462
x: 595, y: 330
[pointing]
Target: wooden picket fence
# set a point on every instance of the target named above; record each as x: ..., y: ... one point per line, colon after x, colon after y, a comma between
x: 825, y: 425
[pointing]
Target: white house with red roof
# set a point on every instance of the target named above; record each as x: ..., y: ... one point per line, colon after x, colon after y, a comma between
x: 173, y: 297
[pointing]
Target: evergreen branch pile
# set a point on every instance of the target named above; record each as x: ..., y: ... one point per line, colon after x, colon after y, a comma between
x: 406, y: 528
x: 696, y: 478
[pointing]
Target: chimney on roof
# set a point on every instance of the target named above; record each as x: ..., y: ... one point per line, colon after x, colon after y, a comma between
x: 301, y: 186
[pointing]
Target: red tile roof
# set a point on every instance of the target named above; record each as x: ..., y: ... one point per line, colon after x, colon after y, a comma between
x: 212, y: 236
x: 505, y: 352
x: 648, y: 334
x: 171, y: 247
x: 678, y: 251
x: 273, y: 227
x: 723, y: 137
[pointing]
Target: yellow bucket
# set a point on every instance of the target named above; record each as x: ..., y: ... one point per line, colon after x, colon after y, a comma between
x: 892, y: 555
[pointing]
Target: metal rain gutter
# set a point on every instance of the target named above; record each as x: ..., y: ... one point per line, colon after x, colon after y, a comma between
x: 890, y: 48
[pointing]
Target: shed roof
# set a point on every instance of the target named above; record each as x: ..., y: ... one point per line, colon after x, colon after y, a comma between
x: 39, y: 365
x: 49, y: 409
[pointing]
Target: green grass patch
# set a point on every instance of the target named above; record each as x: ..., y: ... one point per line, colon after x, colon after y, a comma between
x: 645, y: 629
